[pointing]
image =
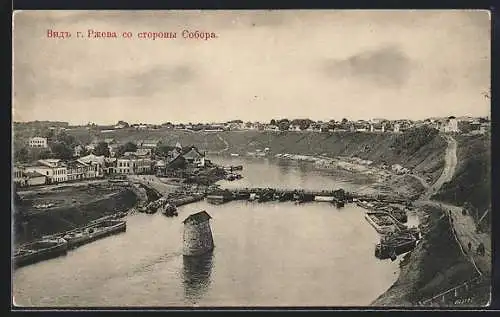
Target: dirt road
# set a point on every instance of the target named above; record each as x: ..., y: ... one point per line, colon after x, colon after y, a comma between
x: 28, y: 190
x: 464, y: 226
x: 448, y: 170
x: 154, y: 182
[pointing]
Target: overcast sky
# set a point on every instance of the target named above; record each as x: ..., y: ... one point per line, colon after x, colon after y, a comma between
x: 264, y: 64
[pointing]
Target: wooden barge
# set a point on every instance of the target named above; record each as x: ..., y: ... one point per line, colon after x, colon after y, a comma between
x: 382, y: 222
x: 271, y: 194
x: 39, y: 250
x: 94, y: 232
x: 391, y: 246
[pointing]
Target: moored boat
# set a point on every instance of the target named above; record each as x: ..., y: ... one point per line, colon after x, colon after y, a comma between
x: 39, y: 250
x: 381, y: 222
x: 169, y: 210
x: 393, y: 245
x: 324, y: 198
x: 285, y: 196
x: 364, y: 204
x: 94, y: 232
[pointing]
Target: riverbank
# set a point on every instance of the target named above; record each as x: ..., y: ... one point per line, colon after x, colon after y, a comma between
x: 442, y: 271
x: 72, y: 209
x: 435, y: 265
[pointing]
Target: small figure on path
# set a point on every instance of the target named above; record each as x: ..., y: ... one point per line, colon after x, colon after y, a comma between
x: 480, y: 249
x: 469, y: 245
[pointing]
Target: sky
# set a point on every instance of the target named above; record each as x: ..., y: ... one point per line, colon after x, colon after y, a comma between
x: 317, y: 64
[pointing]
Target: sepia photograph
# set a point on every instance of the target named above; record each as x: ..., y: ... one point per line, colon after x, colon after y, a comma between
x: 251, y: 158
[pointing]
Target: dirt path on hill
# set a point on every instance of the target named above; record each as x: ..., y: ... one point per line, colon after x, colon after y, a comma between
x: 463, y: 225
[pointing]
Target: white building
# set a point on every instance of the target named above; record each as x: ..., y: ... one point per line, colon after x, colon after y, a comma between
x: 54, y: 169
x: 396, y: 127
x: 451, y: 125
x: 38, y: 142
x: 133, y: 165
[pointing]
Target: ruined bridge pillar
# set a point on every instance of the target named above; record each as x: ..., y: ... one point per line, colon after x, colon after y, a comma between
x: 197, y: 237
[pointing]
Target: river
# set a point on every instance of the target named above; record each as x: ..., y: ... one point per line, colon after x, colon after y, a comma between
x: 268, y: 254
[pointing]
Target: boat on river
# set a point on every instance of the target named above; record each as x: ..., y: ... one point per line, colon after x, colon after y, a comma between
x: 392, y: 245
x: 169, y: 210
x: 365, y: 204
x: 94, y: 232
x: 324, y: 198
x: 187, y: 199
x: 285, y: 196
x: 219, y: 198
x: 40, y: 250
x: 381, y: 221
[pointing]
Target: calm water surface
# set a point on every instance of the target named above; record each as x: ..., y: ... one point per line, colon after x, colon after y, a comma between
x: 268, y: 254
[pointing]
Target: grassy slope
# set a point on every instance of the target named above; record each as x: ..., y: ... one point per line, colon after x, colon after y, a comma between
x: 426, y: 160
x: 472, y: 181
x: 69, y: 217
x: 435, y: 265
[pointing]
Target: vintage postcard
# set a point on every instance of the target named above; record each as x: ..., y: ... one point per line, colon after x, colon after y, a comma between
x: 272, y: 158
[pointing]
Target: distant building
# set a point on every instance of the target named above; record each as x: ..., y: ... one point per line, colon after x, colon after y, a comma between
x: 34, y: 178
x: 53, y: 169
x: 96, y: 165
x: 361, y: 126
x: 396, y: 127
x: 148, y: 144
x: 77, y: 151
x: 18, y: 175
x: 452, y: 125
x: 38, y: 142
x: 133, y: 165
x: 377, y: 127
x: 192, y: 155
x: 77, y: 170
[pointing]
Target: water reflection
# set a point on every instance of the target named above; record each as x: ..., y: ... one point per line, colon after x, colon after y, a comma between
x: 196, y: 275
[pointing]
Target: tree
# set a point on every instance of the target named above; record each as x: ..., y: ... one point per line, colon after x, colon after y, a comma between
x: 344, y: 121
x: 84, y: 152
x: 127, y: 147
x: 101, y: 149
x: 22, y: 155
x: 304, y: 124
x: 123, y: 123
x: 65, y: 138
x: 62, y: 151
x: 163, y: 149
x: 284, y: 124
x: 49, y: 134
x: 273, y: 122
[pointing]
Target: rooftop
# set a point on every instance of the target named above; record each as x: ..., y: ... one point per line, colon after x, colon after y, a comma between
x: 198, y: 217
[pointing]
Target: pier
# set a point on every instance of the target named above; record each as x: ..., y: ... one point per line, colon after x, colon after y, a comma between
x: 338, y: 197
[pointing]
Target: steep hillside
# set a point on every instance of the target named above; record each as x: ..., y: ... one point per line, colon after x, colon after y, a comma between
x: 70, y: 217
x: 472, y: 181
x: 435, y: 265
x: 421, y: 149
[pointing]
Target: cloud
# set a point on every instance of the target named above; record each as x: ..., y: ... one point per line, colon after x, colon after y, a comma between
x: 144, y: 83
x: 385, y: 67
x: 109, y: 84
